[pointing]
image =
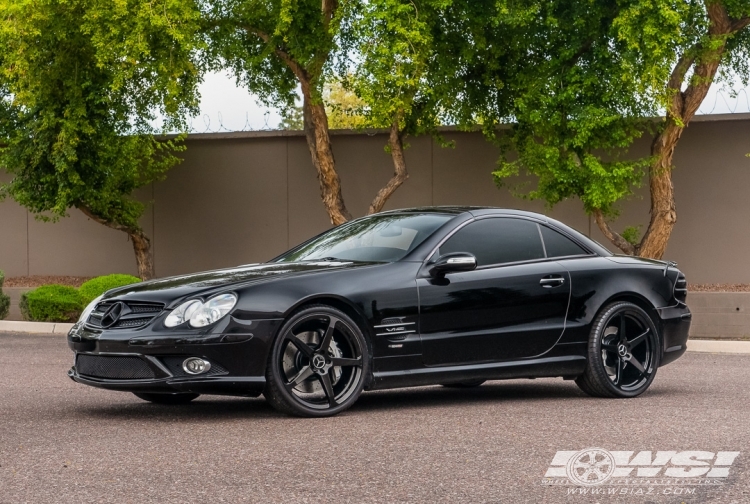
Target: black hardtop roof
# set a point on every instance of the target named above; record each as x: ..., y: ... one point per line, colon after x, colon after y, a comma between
x: 459, y: 209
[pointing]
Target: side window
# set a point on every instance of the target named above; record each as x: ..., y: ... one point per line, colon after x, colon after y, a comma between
x: 496, y: 241
x: 558, y: 245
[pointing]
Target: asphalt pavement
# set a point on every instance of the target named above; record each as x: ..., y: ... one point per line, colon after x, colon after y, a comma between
x: 61, y: 442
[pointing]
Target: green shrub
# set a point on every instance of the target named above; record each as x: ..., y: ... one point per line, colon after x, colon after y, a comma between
x: 52, y: 303
x: 4, y: 299
x: 99, y: 285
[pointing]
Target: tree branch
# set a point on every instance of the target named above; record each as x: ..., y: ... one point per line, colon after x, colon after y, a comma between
x: 678, y: 77
x: 329, y: 10
x: 400, y: 175
x: 119, y: 227
x: 298, y: 70
x: 611, y: 235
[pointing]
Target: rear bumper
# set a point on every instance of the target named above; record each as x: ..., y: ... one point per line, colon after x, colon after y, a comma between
x: 675, y: 326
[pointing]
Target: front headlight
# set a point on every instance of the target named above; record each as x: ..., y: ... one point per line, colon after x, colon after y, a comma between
x: 90, y: 308
x: 201, y: 314
x: 182, y: 313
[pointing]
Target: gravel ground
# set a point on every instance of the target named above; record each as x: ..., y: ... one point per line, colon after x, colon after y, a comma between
x: 62, y: 442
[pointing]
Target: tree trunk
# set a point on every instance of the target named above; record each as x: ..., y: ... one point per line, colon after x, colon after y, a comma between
x: 400, y: 175
x: 143, y: 254
x: 319, y: 143
x: 141, y: 244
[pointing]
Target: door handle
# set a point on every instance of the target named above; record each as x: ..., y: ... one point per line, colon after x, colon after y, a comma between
x: 551, y: 281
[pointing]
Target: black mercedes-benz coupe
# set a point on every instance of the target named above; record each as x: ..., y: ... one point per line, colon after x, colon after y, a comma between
x: 440, y: 295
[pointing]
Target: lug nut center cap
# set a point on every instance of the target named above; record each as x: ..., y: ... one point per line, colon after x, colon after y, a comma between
x: 318, y: 361
x: 622, y: 350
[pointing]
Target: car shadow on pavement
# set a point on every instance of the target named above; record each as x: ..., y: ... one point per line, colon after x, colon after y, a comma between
x: 218, y: 408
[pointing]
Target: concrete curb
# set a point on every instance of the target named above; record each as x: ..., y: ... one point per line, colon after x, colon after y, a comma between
x: 34, y: 327
x: 714, y: 346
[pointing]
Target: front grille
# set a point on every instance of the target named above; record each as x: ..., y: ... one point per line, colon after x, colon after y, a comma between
x: 680, y: 288
x: 134, y: 314
x: 115, y: 367
x: 174, y: 364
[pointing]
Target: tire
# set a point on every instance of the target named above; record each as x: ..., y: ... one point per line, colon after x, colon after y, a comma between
x: 466, y: 384
x: 166, y: 398
x: 617, y: 366
x: 317, y: 364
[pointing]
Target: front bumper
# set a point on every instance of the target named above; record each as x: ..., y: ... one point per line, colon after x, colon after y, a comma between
x: 675, y: 326
x: 149, y: 359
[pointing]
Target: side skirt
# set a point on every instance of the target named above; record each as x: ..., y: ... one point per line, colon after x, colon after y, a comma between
x: 567, y: 365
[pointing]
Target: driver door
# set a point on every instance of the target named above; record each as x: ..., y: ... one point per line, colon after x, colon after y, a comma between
x: 513, y: 306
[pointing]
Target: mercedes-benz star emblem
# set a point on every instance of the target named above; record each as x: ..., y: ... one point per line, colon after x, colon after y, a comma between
x: 112, y: 315
x: 318, y: 361
x: 622, y: 350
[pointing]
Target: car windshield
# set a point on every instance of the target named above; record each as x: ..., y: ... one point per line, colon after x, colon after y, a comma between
x: 379, y: 238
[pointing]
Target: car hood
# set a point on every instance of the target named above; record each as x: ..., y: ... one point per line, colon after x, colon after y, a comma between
x: 173, y: 289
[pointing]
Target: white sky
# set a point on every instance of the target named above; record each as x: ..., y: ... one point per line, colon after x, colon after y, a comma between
x: 226, y: 107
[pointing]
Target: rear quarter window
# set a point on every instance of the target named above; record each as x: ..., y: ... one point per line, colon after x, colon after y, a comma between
x: 558, y: 245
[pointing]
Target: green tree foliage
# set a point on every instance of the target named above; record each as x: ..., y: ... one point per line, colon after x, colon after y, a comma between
x: 81, y: 82
x: 343, y: 107
x: 587, y: 80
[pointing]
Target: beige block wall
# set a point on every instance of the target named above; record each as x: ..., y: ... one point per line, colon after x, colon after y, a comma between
x: 244, y: 198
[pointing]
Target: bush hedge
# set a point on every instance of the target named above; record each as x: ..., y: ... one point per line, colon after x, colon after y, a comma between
x: 99, y: 285
x: 4, y: 298
x: 52, y: 303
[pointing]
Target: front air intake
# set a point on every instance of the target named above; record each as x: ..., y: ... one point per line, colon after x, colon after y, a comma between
x: 118, y: 367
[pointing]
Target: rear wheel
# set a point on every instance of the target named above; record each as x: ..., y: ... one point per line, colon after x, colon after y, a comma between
x: 166, y: 398
x: 318, y: 363
x: 623, y: 352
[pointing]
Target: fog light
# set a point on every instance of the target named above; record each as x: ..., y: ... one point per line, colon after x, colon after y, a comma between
x: 194, y: 365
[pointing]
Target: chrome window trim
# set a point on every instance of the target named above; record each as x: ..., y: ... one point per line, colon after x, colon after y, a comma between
x: 515, y: 263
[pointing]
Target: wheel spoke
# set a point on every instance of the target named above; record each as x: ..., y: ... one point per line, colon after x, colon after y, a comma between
x: 611, y: 348
x: 301, y: 346
x: 326, y: 341
x: 618, y: 370
x: 637, y: 364
x: 621, y: 333
x: 345, y: 362
x: 325, y: 380
x: 303, y: 375
x: 638, y: 339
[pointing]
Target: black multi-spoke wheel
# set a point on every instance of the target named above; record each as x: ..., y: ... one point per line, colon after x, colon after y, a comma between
x: 318, y: 363
x: 623, y: 352
x: 177, y: 398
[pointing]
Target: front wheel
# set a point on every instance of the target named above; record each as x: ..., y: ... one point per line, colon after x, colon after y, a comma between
x: 318, y: 363
x: 623, y: 352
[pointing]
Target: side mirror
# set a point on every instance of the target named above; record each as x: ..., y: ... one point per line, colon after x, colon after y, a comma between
x: 456, y: 261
